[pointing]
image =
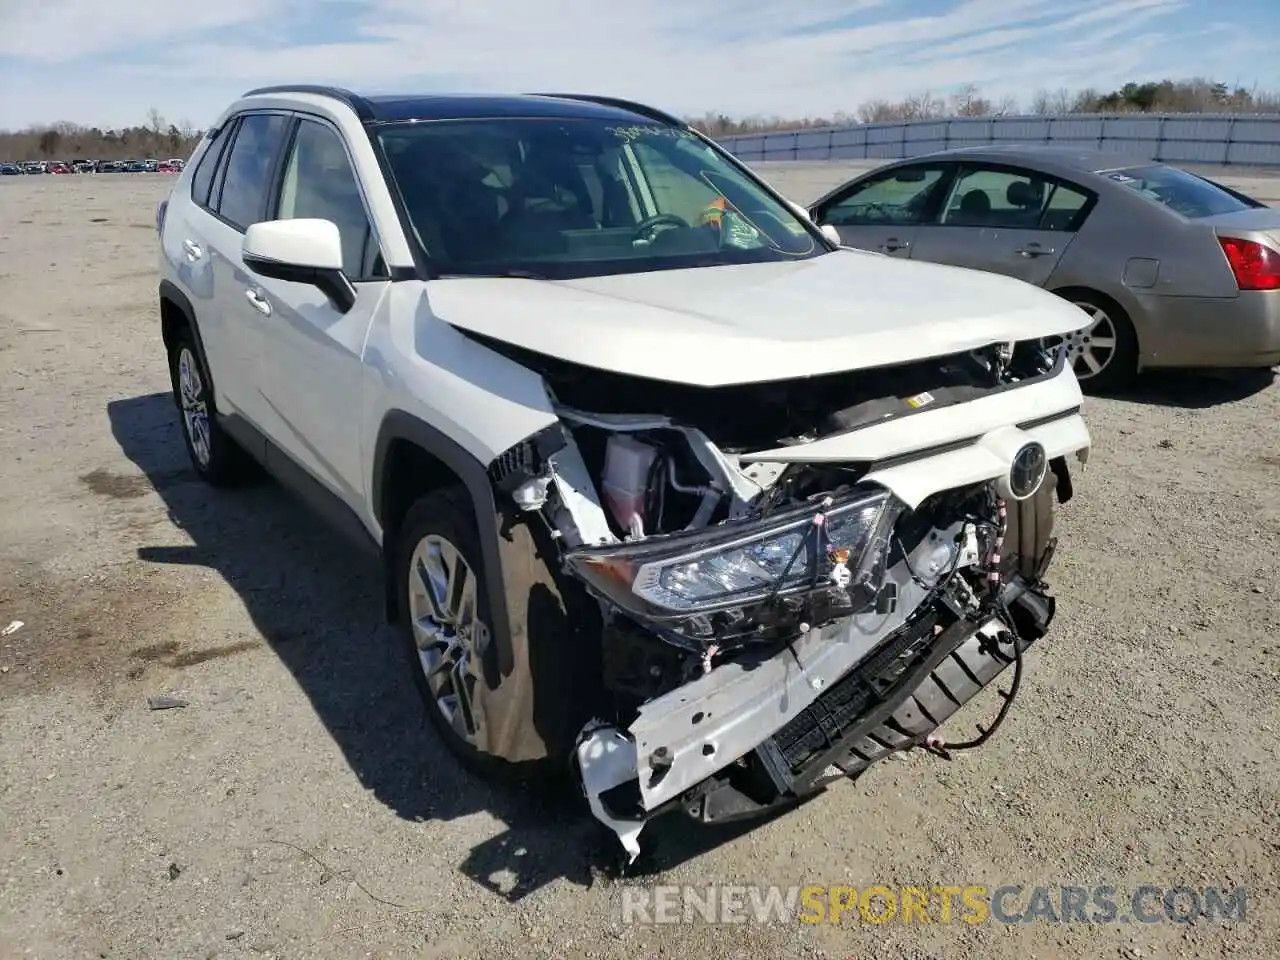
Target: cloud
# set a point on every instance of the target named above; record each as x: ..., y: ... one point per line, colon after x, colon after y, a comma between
x: 108, y: 62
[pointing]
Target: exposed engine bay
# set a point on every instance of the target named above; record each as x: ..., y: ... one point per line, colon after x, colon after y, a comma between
x: 771, y: 625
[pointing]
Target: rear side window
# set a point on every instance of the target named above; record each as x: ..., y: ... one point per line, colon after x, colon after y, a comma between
x: 242, y: 199
x: 1014, y: 198
x: 202, y: 179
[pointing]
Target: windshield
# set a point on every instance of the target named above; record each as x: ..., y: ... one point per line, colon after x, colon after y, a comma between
x: 572, y: 198
x: 1182, y: 192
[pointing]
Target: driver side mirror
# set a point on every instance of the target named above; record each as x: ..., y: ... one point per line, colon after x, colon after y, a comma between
x: 300, y: 251
x: 832, y: 234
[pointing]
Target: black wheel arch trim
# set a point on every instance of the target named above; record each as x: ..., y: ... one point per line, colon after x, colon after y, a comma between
x: 172, y: 292
x: 489, y: 519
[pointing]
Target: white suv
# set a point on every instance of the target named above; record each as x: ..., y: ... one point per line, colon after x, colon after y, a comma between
x: 668, y: 487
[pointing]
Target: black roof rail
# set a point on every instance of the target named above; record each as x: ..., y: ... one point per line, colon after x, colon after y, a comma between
x: 630, y: 105
x: 353, y: 100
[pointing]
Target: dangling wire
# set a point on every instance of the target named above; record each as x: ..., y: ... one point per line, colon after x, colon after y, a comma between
x: 816, y: 530
x: 944, y: 749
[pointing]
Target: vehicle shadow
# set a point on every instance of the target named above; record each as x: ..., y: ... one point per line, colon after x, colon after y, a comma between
x: 318, y: 602
x: 1195, y: 389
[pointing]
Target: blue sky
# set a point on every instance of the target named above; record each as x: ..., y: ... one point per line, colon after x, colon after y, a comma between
x: 108, y: 62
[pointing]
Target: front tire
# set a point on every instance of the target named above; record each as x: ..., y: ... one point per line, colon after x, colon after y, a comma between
x: 445, y: 621
x: 217, y: 458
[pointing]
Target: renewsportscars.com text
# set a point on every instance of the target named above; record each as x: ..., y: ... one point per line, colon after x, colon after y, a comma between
x: 968, y: 903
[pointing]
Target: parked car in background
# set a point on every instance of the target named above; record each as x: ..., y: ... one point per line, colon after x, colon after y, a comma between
x: 177, y: 163
x: 57, y: 167
x: 10, y: 170
x: 1175, y: 269
x: 34, y: 167
x: 168, y: 166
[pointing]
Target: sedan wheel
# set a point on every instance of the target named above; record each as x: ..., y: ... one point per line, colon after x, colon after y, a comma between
x: 1092, y: 349
x: 447, y: 631
x: 1104, y: 355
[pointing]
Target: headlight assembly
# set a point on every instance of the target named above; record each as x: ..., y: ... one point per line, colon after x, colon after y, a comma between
x: 738, y: 564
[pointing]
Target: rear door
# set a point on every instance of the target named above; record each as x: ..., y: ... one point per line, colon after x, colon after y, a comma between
x: 238, y: 198
x: 1005, y: 219
x: 883, y: 211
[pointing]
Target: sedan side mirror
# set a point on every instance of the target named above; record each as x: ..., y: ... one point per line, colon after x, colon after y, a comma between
x: 832, y: 234
x: 300, y: 251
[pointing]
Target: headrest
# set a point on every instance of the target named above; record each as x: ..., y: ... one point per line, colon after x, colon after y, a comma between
x: 1023, y: 194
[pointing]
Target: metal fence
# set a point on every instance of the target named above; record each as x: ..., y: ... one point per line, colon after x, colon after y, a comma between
x: 1239, y: 140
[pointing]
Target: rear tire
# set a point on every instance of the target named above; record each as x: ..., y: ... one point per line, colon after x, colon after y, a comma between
x: 1104, y: 354
x: 217, y: 458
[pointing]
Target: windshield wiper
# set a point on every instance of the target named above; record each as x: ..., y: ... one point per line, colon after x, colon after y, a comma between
x: 508, y: 274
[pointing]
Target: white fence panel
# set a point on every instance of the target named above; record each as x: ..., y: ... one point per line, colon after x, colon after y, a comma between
x: 1199, y: 138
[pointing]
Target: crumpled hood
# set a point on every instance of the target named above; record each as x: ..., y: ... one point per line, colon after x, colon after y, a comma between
x: 715, y: 326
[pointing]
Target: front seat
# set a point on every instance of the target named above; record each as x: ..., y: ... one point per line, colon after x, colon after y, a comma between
x: 1027, y: 198
x: 975, y: 207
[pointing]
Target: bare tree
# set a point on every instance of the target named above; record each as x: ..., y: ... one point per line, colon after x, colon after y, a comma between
x: 968, y: 102
x: 1007, y: 107
x: 923, y: 106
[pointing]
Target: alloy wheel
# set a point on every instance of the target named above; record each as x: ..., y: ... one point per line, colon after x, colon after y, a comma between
x: 195, y: 411
x: 447, y: 630
x: 1091, y: 350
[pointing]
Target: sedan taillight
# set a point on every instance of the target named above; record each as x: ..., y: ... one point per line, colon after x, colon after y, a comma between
x: 1255, y: 265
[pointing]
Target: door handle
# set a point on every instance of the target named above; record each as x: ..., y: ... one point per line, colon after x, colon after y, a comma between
x: 192, y: 250
x: 893, y: 244
x: 1035, y: 250
x: 260, y: 303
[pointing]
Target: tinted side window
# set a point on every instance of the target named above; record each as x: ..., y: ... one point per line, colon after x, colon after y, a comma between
x: 1066, y: 208
x: 319, y: 183
x: 1013, y: 198
x: 243, y: 197
x: 900, y: 197
x: 202, y: 179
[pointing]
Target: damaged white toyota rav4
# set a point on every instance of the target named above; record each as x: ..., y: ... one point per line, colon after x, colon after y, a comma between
x: 669, y: 489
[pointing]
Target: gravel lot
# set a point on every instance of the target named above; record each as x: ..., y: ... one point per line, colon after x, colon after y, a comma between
x: 298, y: 807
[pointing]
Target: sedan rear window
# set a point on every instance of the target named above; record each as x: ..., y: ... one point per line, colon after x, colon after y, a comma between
x: 1180, y: 191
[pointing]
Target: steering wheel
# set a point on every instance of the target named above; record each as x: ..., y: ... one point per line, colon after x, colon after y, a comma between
x: 645, y: 226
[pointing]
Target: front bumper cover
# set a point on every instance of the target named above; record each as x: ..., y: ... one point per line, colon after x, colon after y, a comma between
x: 672, y: 753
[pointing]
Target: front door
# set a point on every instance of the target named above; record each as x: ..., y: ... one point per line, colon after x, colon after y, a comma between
x: 1006, y: 220
x: 883, y: 212
x: 310, y: 365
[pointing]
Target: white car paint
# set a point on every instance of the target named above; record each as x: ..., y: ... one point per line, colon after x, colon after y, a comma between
x: 927, y: 427
x: 311, y: 243
x: 301, y: 373
x: 715, y: 326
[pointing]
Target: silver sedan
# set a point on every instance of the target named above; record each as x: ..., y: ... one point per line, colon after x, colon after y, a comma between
x: 1176, y: 270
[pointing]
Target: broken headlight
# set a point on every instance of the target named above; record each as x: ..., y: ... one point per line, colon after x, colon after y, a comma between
x: 738, y: 564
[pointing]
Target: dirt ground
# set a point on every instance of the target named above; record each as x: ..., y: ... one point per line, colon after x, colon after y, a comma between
x: 299, y: 807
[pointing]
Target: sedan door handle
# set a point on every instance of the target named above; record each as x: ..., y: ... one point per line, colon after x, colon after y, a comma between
x: 192, y: 250
x: 893, y: 244
x: 260, y: 303
x: 1035, y: 250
